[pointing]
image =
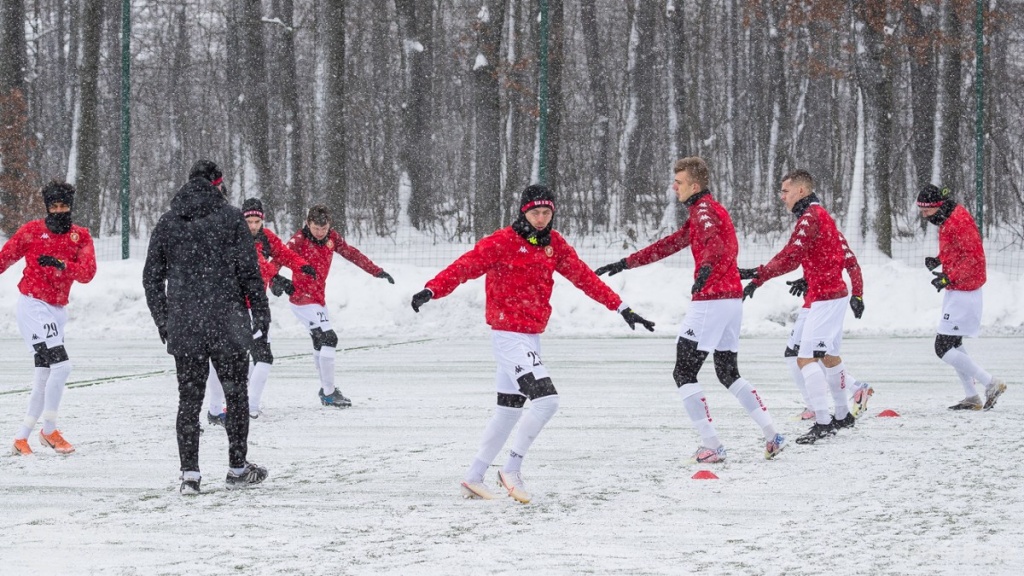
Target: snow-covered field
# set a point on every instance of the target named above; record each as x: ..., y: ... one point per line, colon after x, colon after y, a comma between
x: 374, y: 489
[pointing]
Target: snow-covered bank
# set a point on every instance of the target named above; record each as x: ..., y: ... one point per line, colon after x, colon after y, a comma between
x: 900, y: 302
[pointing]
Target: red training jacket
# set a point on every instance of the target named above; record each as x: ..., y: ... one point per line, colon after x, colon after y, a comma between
x: 520, y: 277
x: 961, y: 252
x: 852, y: 268
x: 712, y: 239
x: 816, y: 246
x: 319, y: 256
x: 47, y: 283
x: 280, y: 256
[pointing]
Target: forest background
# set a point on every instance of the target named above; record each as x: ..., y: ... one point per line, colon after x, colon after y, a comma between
x: 417, y: 121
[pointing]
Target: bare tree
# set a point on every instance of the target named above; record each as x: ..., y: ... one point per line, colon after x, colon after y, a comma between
x: 333, y: 24
x: 87, y: 179
x: 16, y: 190
x: 417, y: 28
x: 488, y: 133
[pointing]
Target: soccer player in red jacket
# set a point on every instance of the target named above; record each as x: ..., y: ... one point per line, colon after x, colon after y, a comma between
x: 317, y: 243
x: 816, y: 246
x: 716, y: 311
x: 962, y: 258
x: 519, y: 262
x: 840, y: 381
x: 271, y: 255
x: 56, y: 253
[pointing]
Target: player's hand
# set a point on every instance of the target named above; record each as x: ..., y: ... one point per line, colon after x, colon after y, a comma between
x: 613, y: 268
x: 748, y: 273
x: 260, y: 325
x: 798, y: 287
x: 931, y: 262
x: 51, y: 261
x: 308, y: 270
x: 857, y: 304
x: 386, y: 276
x: 940, y: 281
x: 162, y: 331
x: 281, y: 285
x: 632, y: 318
x: 420, y: 298
x: 748, y: 290
x: 702, y: 278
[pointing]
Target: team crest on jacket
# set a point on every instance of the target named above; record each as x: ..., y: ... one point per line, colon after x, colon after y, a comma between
x: 549, y: 251
x: 74, y: 237
x: 330, y: 244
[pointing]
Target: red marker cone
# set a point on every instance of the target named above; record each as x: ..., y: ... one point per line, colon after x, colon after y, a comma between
x: 705, y: 475
x: 888, y: 414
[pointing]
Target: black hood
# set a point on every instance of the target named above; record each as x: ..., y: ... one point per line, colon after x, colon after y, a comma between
x: 196, y: 199
x: 804, y: 203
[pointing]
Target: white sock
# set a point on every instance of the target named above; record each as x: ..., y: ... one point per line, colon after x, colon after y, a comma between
x: 751, y: 402
x: 215, y: 390
x: 798, y: 379
x: 540, y: 412
x: 326, y: 363
x: 35, y: 403
x: 316, y: 362
x: 961, y: 362
x: 55, y: 381
x: 697, y: 408
x: 836, y: 379
x: 817, y: 391
x: 257, y: 382
x: 503, y: 420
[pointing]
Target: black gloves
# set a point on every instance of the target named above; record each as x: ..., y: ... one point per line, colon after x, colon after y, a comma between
x: 857, y: 304
x: 386, y: 276
x: 940, y: 281
x: 308, y: 270
x: 162, y: 331
x: 702, y: 277
x: 798, y: 287
x: 632, y: 318
x: 279, y: 284
x: 51, y: 261
x: 260, y: 325
x: 748, y: 273
x: 931, y: 262
x: 420, y: 298
x: 613, y: 268
x: 748, y: 290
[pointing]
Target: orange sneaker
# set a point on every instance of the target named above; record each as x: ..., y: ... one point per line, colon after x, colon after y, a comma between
x: 57, y: 442
x: 21, y: 448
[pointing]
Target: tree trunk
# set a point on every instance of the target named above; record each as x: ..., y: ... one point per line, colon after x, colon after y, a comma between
x: 417, y: 23
x: 924, y: 88
x: 16, y: 190
x: 638, y: 151
x: 488, y: 134
x: 952, y: 105
x: 255, y: 96
x: 334, y: 111
x: 556, y: 43
x: 296, y: 185
x: 877, y: 79
x: 87, y: 181
x: 601, y: 180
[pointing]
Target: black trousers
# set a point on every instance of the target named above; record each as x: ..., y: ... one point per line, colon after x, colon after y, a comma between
x: 192, y: 374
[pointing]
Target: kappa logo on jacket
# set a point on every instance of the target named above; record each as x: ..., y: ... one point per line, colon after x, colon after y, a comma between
x: 45, y: 236
x: 523, y: 250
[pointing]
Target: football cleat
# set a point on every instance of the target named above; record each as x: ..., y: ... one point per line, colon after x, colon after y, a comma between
x: 251, y: 475
x: 477, y: 491
x: 971, y: 403
x: 335, y: 399
x: 860, y: 400
x: 993, y: 392
x: 513, y: 483
x: 774, y: 446
x: 817, y: 432
x: 705, y: 455
x: 57, y: 442
x: 21, y: 447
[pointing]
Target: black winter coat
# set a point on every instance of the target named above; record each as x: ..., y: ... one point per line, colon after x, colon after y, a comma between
x: 200, y: 268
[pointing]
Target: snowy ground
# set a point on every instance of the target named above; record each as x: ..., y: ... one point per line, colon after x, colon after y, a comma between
x: 374, y: 489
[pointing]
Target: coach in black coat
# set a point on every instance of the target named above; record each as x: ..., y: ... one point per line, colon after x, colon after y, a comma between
x: 200, y: 270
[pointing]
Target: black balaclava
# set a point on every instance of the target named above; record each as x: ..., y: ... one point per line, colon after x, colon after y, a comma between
x: 534, y: 196
x: 58, y: 222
